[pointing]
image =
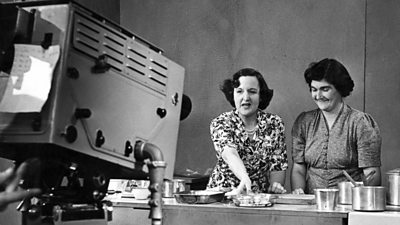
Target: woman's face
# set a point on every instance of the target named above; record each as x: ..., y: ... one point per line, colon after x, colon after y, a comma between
x: 325, y: 95
x: 247, y: 96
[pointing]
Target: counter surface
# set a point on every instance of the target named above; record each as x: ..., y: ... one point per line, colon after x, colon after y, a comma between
x: 287, y: 209
x: 229, y: 214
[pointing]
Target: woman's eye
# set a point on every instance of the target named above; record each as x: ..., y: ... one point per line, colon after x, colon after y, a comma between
x: 325, y: 89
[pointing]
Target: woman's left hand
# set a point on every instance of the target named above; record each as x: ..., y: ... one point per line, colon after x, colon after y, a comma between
x: 276, y: 188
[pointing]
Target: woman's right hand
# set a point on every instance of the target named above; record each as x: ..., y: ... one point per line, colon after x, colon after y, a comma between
x: 243, y: 187
x: 245, y: 184
x: 298, y: 191
x: 276, y: 188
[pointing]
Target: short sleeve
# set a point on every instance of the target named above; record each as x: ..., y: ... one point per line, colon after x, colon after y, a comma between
x: 369, y: 142
x: 221, y: 133
x: 298, y: 139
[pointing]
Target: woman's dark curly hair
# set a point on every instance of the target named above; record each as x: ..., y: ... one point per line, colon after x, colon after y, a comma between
x: 333, y: 72
x: 228, y: 86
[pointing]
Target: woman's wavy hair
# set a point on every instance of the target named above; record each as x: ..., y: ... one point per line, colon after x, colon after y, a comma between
x: 229, y: 85
x: 333, y: 72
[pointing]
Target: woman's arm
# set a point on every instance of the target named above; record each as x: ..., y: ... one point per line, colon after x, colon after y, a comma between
x: 235, y: 163
x: 277, y: 180
x: 375, y: 179
x: 369, y: 143
x: 298, y: 178
x: 277, y: 174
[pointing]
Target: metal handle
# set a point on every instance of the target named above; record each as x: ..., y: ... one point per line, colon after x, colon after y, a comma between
x: 350, y: 179
x: 368, y: 178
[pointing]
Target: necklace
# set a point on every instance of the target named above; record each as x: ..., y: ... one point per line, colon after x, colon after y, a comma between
x: 252, y: 131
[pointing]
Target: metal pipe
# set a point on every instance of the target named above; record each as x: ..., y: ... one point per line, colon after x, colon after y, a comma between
x: 156, y: 167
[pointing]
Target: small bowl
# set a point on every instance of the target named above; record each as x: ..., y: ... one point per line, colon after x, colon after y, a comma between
x: 140, y: 193
x: 261, y: 199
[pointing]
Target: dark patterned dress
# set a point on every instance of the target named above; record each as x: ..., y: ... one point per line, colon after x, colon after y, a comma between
x: 263, y: 153
x: 353, y: 143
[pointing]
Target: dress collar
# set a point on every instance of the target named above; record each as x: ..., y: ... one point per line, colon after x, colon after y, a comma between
x: 241, y: 124
x: 236, y: 113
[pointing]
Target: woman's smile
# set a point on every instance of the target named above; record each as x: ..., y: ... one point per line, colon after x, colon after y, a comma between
x: 325, y: 95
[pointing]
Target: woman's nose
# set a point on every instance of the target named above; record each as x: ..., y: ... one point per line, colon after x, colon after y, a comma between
x: 246, y: 95
x: 318, y: 94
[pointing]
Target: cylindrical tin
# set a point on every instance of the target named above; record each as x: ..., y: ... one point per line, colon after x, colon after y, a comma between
x: 171, y: 187
x: 179, y: 185
x: 369, y: 198
x: 393, y: 194
x: 326, y: 199
x: 168, y: 189
x: 345, y: 193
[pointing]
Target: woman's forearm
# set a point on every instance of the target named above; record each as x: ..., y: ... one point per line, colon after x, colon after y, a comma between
x: 277, y: 176
x: 234, y: 162
x: 375, y: 179
x: 298, y: 176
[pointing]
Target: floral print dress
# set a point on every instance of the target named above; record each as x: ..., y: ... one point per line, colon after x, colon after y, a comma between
x: 264, y: 152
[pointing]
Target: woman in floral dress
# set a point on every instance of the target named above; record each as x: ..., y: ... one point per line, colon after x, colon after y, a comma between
x: 249, y: 142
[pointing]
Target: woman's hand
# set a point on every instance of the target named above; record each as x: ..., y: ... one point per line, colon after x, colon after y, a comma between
x: 244, y: 185
x: 276, y: 188
x: 276, y: 180
x: 298, y: 191
x: 298, y: 178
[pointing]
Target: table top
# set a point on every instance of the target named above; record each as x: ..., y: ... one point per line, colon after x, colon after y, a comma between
x: 279, y: 209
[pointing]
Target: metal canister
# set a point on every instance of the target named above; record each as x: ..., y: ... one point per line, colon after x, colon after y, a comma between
x: 171, y: 187
x: 168, y: 189
x: 326, y: 199
x: 393, y: 194
x: 345, y: 193
x: 369, y: 198
x: 179, y: 185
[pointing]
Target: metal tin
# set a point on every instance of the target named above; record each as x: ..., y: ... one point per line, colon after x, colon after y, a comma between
x: 168, y: 190
x: 171, y: 187
x: 199, y: 197
x: 326, y: 199
x: 179, y: 185
x: 369, y: 198
x: 345, y: 192
x: 393, y: 194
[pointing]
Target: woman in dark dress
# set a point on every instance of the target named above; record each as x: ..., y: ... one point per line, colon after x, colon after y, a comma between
x: 334, y: 137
